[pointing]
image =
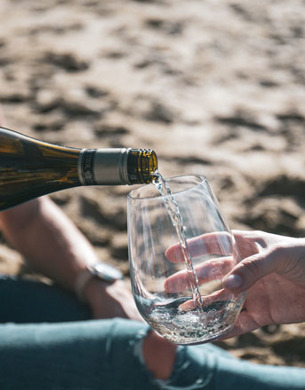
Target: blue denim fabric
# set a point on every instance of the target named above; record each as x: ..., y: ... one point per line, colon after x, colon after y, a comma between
x: 48, y: 342
x: 27, y: 301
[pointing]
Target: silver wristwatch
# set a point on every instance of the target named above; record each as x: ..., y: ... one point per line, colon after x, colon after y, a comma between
x: 102, y: 271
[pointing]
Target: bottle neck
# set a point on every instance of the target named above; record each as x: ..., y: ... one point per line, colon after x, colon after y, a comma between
x: 103, y: 166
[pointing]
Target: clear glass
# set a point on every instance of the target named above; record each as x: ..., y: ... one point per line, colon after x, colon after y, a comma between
x: 163, y: 286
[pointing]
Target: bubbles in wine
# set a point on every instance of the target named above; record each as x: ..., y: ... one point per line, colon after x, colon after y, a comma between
x: 186, y: 327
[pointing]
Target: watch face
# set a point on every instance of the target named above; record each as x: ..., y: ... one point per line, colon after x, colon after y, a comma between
x: 107, y: 272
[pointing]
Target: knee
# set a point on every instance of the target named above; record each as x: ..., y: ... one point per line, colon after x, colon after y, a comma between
x: 159, y: 355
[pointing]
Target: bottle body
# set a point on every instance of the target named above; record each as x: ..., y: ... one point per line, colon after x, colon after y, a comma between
x: 30, y: 168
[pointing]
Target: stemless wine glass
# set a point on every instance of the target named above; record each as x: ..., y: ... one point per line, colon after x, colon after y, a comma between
x: 177, y: 262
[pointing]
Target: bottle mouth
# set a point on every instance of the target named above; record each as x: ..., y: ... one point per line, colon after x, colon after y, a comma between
x: 141, y: 166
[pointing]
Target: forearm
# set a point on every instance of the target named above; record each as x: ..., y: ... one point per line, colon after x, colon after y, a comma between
x: 48, y: 240
x: 53, y: 246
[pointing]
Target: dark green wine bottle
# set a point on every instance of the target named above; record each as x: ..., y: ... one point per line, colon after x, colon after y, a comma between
x: 30, y: 168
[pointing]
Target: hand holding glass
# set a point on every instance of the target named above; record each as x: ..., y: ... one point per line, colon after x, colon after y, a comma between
x: 178, y: 290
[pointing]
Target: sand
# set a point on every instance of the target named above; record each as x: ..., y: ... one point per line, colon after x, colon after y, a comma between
x: 216, y: 88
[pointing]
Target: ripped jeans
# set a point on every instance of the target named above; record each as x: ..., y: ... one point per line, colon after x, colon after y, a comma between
x: 47, y: 341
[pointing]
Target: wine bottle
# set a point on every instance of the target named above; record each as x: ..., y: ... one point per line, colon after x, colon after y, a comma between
x: 30, y: 168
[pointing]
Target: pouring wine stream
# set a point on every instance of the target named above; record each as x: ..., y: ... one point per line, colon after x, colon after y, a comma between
x: 177, y: 221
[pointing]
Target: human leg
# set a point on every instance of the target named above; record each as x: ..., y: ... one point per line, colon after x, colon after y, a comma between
x: 224, y: 372
x: 108, y: 354
x: 85, y: 355
x: 28, y: 301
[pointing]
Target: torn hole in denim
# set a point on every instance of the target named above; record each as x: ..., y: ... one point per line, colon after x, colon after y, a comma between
x: 181, y: 364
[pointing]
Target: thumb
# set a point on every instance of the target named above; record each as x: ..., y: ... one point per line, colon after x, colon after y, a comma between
x: 252, y: 269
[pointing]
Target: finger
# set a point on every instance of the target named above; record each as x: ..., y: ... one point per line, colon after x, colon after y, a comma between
x: 244, y: 324
x: 208, y: 301
x: 219, y: 243
x: 246, y: 243
x: 214, y: 269
x: 252, y: 269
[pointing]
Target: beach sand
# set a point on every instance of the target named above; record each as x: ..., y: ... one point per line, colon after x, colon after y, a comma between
x: 215, y: 88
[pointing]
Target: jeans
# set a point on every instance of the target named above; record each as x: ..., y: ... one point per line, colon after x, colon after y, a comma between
x: 47, y: 341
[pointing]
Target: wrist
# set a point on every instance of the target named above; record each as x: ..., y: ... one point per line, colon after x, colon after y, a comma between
x: 109, y: 300
x: 100, y: 272
x: 93, y: 292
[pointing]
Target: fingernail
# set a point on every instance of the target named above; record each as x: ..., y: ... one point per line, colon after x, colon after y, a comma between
x: 232, y: 282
